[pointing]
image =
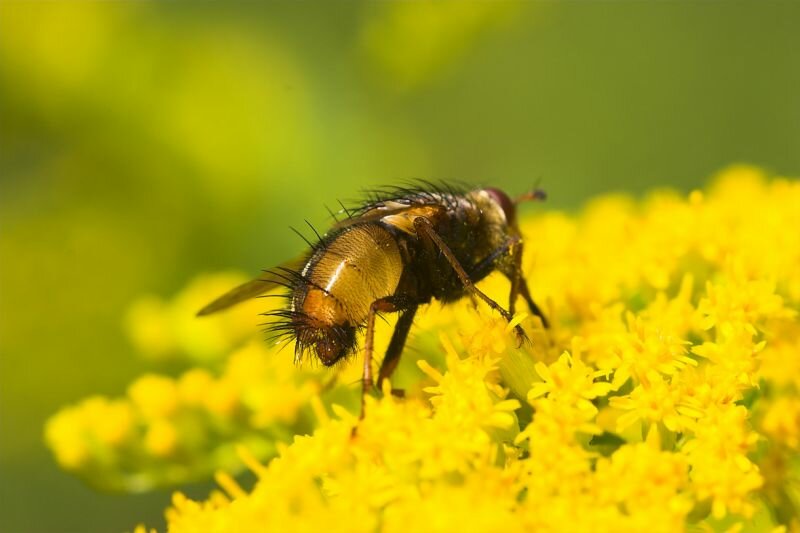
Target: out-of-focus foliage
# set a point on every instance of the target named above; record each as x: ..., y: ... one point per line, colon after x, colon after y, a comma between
x: 144, y: 143
x: 413, y: 43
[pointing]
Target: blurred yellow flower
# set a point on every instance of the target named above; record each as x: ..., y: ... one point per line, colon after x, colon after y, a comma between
x: 169, y: 430
x: 154, y: 396
x: 160, y: 438
x: 170, y: 330
x: 782, y: 422
x: 412, y: 42
x: 97, y: 426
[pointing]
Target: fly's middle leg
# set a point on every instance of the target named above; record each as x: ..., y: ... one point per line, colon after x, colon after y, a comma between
x: 381, y: 305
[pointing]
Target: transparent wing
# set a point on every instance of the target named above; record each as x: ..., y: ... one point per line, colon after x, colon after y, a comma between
x: 267, y: 281
x: 391, y: 212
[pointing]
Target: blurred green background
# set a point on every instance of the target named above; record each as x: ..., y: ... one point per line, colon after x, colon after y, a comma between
x: 143, y: 143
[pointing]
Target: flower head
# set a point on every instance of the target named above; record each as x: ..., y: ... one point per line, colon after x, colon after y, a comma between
x: 662, y: 398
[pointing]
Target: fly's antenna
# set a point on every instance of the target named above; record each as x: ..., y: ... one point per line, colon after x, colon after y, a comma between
x: 534, y: 195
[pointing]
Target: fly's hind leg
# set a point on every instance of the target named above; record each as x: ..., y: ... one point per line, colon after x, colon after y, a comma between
x: 396, y: 345
x: 424, y: 227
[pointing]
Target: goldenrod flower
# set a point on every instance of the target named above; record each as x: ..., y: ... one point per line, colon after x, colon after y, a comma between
x: 664, y: 397
x: 654, y: 399
x: 720, y: 467
x: 168, y: 430
x: 569, y: 380
x: 782, y: 422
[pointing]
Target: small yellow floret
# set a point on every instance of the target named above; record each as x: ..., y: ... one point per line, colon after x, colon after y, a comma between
x: 161, y: 438
x: 155, y: 396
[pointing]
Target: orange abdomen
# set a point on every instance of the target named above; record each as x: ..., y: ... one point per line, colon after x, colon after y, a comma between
x: 355, y: 268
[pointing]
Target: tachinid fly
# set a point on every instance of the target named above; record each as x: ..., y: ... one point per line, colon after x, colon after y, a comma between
x: 403, y: 248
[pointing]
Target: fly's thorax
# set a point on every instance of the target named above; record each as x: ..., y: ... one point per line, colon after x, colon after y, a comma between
x: 348, y: 272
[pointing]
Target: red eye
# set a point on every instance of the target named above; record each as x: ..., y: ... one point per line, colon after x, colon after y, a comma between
x: 504, y: 202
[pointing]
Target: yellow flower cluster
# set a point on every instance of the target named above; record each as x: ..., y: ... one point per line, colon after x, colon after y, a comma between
x: 167, y: 431
x: 171, y: 430
x: 664, y: 396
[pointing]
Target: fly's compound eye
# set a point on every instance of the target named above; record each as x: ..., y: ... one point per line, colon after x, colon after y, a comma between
x: 505, y: 203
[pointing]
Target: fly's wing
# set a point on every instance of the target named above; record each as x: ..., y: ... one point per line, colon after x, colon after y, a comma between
x: 251, y: 289
x: 369, y: 215
x: 393, y: 213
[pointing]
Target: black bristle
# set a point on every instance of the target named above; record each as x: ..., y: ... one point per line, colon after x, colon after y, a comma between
x: 320, y: 241
x: 309, y: 243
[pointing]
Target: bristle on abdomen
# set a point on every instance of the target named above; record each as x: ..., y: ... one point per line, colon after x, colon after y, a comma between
x: 332, y: 293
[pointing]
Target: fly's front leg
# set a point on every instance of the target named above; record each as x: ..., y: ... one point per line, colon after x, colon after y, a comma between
x: 490, y: 263
x: 424, y: 228
x: 381, y: 305
x: 514, y: 246
x: 520, y: 286
x: 526, y: 294
x: 515, y: 275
